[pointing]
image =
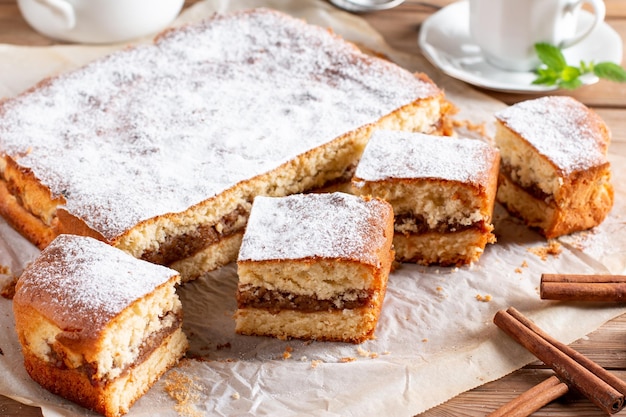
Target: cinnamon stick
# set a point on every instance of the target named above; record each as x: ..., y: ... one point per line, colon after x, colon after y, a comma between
x: 533, y: 399
x: 568, y: 369
x: 601, y: 288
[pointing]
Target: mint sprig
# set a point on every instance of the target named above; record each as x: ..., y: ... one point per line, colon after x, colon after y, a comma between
x: 555, y: 70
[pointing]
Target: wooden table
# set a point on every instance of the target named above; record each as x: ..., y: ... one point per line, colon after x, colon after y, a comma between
x: 400, y: 26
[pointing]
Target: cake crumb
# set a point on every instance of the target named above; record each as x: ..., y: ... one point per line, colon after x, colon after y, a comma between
x: 518, y: 270
x: 366, y: 353
x: 347, y: 359
x: 315, y: 363
x: 287, y: 352
x: 484, y: 298
x: 184, y: 391
x: 235, y: 395
x: 424, y: 340
x: 552, y: 248
x: 5, y: 270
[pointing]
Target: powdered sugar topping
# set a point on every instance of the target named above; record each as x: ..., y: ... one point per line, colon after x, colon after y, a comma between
x: 562, y: 129
x: 80, y: 283
x: 404, y: 155
x: 332, y: 226
x: 158, y: 128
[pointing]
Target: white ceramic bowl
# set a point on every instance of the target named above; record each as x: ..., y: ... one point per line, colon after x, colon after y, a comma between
x: 99, y: 21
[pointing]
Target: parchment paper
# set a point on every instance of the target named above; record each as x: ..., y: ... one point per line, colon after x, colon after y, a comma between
x: 435, y: 338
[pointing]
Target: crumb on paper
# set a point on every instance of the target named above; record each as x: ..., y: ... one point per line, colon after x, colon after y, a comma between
x: 425, y: 340
x: 5, y: 270
x: 184, y: 391
x: 484, y: 298
x: 315, y: 363
x: 439, y: 288
x: 552, y: 248
x: 235, y: 395
x: 287, y: 352
x: 366, y: 353
x: 480, y: 128
x: 523, y: 265
x: 347, y: 359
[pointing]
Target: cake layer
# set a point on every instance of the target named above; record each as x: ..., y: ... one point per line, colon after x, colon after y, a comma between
x: 587, y: 210
x: 446, y: 249
x: 194, y: 127
x: 298, y: 278
x: 347, y: 325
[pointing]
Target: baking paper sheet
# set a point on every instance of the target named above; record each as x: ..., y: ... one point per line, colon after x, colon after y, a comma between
x: 435, y: 338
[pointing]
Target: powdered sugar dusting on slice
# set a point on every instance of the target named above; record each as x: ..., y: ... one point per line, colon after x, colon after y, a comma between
x: 403, y: 155
x: 332, y: 226
x: 560, y: 128
x: 158, y: 128
x: 80, y: 283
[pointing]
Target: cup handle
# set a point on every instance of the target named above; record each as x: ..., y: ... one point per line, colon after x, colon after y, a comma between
x: 63, y: 9
x: 599, y: 11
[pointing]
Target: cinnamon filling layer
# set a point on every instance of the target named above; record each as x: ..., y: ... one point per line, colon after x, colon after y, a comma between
x: 149, y: 345
x: 533, y: 189
x: 417, y: 224
x: 249, y: 296
x: 184, y: 245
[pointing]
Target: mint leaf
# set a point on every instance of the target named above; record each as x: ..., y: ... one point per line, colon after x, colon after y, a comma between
x: 570, y: 84
x: 570, y: 73
x: 610, y: 71
x: 556, y: 71
x: 551, y: 56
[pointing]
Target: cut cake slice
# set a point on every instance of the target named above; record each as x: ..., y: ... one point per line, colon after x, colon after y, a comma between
x: 96, y: 325
x: 314, y: 266
x: 555, y: 174
x: 442, y: 190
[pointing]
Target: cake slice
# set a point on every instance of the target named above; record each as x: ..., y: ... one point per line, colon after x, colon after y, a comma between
x: 555, y: 174
x: 442, y: 190
x: 96, y: 325
x: 314, y: 266
x: 160, y: 149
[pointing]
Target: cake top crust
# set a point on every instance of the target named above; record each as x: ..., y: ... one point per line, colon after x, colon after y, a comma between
x: 80, y: 283
x: 158, y: 128
x: 408, y: 156
x: 562, y: 129
x: 308, y: 226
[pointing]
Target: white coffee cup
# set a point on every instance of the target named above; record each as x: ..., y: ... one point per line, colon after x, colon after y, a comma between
x: 507, y: 30
x: 99, y: 21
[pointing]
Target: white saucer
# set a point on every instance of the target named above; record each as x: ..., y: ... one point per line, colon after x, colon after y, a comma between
x: 445, y: 41
x: 363, y: 6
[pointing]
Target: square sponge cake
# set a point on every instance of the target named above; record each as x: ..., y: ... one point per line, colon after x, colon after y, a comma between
x: 442, y: 190
x: 314, y: 267
x: 96, y: 325
x: 555, y: 174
